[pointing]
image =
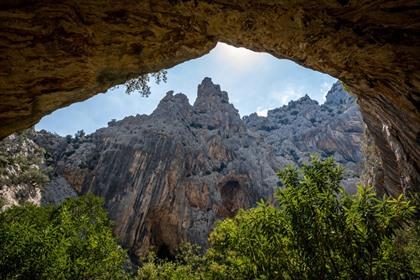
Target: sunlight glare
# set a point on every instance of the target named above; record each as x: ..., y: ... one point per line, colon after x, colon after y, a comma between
x: 237, y: 57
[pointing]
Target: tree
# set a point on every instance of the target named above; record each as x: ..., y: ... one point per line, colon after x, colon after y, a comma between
x: 71, y: 241
x: 317, y: 231
x: 187, y: 265
x: 79, y: 135
x: 141, y: 83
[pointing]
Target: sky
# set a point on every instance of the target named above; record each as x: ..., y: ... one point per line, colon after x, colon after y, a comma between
x: 255, y: 82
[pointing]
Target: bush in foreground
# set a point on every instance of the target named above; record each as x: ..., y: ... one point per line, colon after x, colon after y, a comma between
x: 72, y: 241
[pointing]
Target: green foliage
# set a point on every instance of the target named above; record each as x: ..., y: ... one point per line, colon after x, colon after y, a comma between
x: 79, y: 135
x: 315, y: 231
x: 72, y: 241
x: 187, y: 265
x: 21, y: 161
x: 34, y: 176
x: 346, y: 88
x: 141, y: 83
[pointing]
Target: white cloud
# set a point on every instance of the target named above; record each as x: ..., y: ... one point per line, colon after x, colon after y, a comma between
x: 262, y: 112
x: 325, y: 87
x: 288, y: 94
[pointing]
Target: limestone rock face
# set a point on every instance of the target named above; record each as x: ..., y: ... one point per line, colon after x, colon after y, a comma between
x: 25, y: 176
x: 53, y: 54
x: 166, y: 178
x: 303, y: 127
x: 19, y: 157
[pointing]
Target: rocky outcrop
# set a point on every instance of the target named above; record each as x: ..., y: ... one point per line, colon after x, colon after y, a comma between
x: 303, y: 127
x: 25, y: 176
x: 53, y: 54
x: 167, y: 177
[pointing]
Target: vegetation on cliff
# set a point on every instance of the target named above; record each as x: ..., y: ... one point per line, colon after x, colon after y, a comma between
x: 21, y: 161
x: 23, y: 170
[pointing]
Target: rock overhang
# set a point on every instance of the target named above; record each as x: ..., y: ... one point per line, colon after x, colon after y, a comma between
x: 54, y: 54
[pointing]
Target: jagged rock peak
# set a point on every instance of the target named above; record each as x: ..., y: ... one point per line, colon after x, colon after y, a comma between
x: 209, y: 92
x: 305, y: 100
x: 173, y: 104
x: 213, y: 108
x: 179, y: 99
x: 338, y: 95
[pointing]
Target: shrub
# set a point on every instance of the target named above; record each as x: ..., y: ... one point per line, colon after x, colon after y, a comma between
x: 187, y: 265
x: 316, y: 232
x: 33, y: 176
x: 72, y: 241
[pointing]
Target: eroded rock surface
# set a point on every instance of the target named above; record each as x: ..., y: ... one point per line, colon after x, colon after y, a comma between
x: 25, y: 176
x: 303, y: 127
x: 167, y: 177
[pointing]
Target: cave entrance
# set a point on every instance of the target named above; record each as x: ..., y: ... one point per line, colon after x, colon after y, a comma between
x: 233, y: 197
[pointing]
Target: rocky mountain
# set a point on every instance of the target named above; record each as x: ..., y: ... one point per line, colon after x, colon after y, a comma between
x: 303, y: 127
x: 26, y: 173
x: 168, y: 177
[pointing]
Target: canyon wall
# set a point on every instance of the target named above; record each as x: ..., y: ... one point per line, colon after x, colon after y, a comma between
x: 168, y: 177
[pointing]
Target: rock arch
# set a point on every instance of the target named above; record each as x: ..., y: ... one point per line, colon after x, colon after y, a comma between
x: 54, y: 54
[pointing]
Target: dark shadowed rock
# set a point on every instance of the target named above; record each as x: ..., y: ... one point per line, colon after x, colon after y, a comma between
x: 57, y: 53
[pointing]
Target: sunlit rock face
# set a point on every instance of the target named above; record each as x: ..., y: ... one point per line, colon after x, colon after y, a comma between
x: 53, y: 54
x: 166, y: 178
x: 303, y: 127
x: 25, y: 176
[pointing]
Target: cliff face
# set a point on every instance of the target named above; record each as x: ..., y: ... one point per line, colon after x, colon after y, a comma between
x: 166, y: 178
x: 304, y: 127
